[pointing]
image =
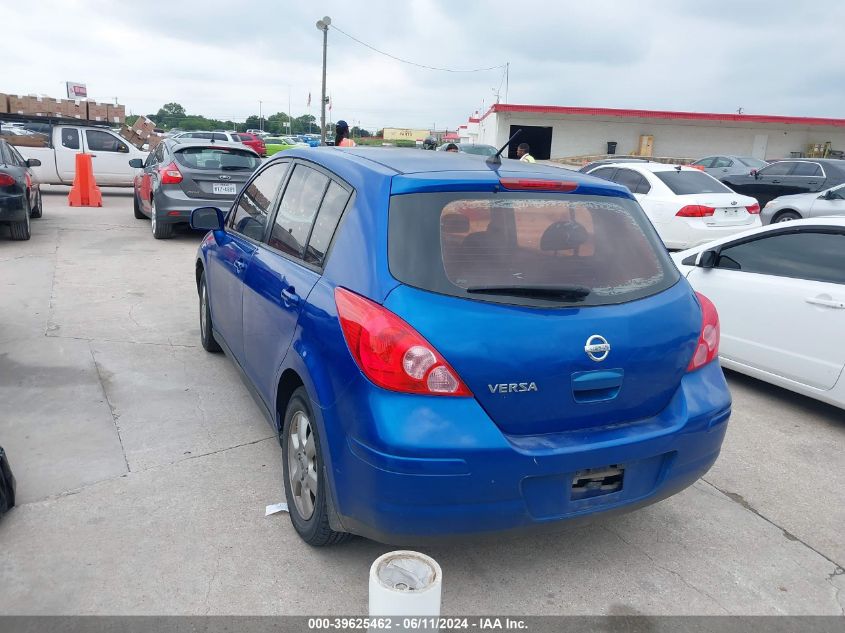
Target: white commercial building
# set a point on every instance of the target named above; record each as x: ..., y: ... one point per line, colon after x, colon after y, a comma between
x: 561, y: 132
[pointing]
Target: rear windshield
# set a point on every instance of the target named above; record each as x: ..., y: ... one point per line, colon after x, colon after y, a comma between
x: 482, y: 150
x: 527, y: 249
x: 690, y: 181
x: 228, y: 159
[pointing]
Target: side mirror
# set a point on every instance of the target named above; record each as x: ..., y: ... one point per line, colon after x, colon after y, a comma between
x: 708, y: 259
x: 754, y: 173
x: 207, y: 219
x: 33, y: 162
x: 137, y: 163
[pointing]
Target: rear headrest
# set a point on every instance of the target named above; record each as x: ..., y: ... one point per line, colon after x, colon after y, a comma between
x: 454, y: 223
x: 563, y: 236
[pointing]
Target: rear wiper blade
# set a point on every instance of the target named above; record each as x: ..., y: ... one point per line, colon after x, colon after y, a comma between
x: 568, y: 292
x: 234, y: 167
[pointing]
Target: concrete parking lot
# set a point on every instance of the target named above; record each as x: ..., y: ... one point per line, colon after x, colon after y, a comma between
x: 144, y: 468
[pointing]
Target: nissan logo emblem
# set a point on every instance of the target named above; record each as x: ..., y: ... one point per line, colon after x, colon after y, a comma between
x: 597, y: 348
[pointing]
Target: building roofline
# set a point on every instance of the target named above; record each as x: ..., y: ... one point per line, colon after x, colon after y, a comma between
x: 663, y: 114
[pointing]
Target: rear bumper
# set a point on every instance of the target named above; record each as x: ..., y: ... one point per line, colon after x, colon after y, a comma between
x: 682, y: 233
x: 173, y: 206
x: 12, y: 207
x: 425, y: 471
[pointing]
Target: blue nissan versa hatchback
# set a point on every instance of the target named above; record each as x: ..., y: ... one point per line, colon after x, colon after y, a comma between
x: 448, y: 347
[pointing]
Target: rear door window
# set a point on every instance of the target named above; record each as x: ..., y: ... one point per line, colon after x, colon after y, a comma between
x: 298, y: 208
x: 690, y: 181
x: 635, y: 181
x: 807, y: 169
x: 604, y: 172
x: 70, y: 138
x: 723, y: 162
x: 527, y: 249
x: 328, y: 217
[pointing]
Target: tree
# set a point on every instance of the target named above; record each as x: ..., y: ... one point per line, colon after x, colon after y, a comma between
x: 359, y: 132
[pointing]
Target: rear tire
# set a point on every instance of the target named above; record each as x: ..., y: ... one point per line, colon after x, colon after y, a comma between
x: 306, y: 490
x: 22, y: 230
x: 139, y: 215
x: 786, y: 216
x: 38, y: 210
x: 207, y: 339
x: 161, y: 230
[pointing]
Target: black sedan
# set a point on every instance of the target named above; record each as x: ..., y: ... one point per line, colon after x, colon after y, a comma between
x: 20, y: 196
x: 787, y: 177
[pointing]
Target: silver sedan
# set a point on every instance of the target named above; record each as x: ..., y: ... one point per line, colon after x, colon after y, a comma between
x: 805, y: 205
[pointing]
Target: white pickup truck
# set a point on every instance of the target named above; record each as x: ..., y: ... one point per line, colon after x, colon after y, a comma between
x: 56, y: 146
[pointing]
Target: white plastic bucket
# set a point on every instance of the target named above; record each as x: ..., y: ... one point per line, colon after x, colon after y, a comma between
x: 405, y: 583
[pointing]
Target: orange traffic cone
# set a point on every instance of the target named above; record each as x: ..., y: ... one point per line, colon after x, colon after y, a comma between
x: 84, y: 192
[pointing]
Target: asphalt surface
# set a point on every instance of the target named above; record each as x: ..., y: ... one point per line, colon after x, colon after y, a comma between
x: 144, y: 468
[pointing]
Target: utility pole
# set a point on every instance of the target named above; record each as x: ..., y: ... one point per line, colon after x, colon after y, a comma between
x: 323, y: 25
x: 290, y: 115
x: 260, y: 119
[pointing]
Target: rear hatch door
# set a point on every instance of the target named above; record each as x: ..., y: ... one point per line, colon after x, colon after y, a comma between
x: 211, y: 172
x: 559, y: 312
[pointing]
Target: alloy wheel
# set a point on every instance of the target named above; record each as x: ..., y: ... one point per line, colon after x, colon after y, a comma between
x: 302, y: 464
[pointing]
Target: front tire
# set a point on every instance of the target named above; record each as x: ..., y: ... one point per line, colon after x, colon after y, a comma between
x: 22, y: 230
x: 786, y: 216
x: 305, y: 484
x: 209, y: 343
x: 161, y: 230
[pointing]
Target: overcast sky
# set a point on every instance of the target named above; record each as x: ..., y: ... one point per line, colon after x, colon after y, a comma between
x: 219, y: 58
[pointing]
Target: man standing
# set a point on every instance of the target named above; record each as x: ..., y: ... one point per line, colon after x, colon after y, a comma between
x: 522, y: 153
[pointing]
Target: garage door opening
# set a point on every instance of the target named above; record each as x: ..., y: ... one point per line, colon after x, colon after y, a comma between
x: 539, y: 138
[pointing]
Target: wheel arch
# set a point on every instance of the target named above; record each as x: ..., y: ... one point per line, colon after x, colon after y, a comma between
x: 780, y: 212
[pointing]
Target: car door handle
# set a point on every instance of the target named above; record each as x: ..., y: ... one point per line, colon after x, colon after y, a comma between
x: 827, y: 303
x: 776, y: 182
x: 239, y: 265
x: 289, y: 297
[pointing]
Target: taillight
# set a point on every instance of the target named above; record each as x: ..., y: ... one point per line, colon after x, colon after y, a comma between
x: 390, y: 352
x: 695, y: 211
x: 516, y: 184
x: 6, y: 180
x: 754, y: 209
x: 170, y: 175
x: 707, y: 347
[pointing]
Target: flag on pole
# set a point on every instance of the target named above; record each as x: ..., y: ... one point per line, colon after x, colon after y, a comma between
x: 309, y: 99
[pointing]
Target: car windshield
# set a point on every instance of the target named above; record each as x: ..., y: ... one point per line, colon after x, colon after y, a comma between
x: 527, y: 248
x: 212, y: 158
x: 754, y: 163
x: 481, y: 150
x: 690, y: 181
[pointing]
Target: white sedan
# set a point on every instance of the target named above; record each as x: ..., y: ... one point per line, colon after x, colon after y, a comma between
x: 685, y: 205
x: 780, y: 294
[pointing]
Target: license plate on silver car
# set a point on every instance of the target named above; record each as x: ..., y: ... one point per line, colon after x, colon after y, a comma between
x: 221, y: 189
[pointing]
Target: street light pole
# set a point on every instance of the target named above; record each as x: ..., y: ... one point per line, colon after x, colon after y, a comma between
x: 323, y: 25
x: 260, y: 119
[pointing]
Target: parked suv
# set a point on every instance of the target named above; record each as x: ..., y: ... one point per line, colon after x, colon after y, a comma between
x: 182, y: 174
x: 459, y: 349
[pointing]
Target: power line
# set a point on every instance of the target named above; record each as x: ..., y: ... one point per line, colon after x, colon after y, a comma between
x: 405, y: 61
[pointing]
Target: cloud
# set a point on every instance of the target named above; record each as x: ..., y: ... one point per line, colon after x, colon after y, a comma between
x: 221, y: 58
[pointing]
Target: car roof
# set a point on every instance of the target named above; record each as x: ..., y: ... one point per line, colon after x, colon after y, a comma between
x: 420, y: 170
x: 205, y: 142
x: 652, y: 167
